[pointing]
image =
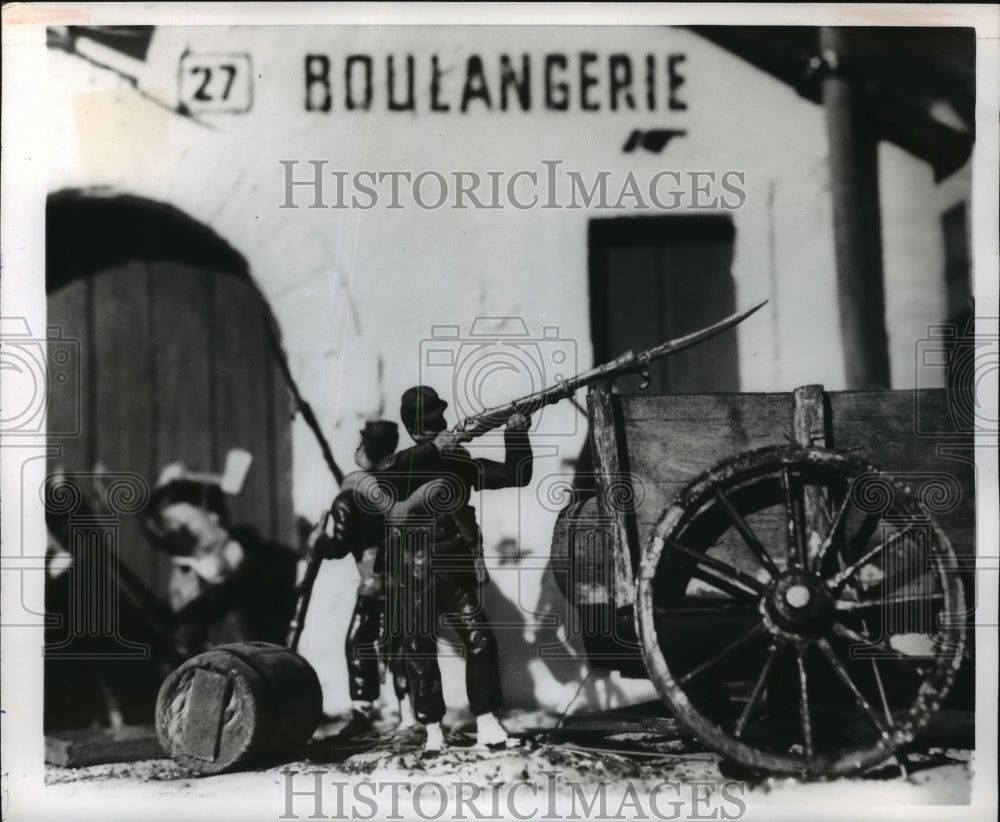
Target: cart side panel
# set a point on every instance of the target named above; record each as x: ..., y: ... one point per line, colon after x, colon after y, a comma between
x: 670, y: 439
x: 910, y: 434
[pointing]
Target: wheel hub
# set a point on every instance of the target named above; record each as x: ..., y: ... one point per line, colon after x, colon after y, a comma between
x: 799, y: 604
x: 798, y: 596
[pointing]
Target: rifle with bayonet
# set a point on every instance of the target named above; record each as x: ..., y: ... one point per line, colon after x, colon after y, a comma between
x: 627, y: 363
x: 491, y: 418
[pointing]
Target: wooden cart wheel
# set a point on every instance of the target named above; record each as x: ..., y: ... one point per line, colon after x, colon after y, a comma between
x: 800, y: 611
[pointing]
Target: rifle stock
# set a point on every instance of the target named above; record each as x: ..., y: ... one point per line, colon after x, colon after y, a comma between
x: 305, y: 588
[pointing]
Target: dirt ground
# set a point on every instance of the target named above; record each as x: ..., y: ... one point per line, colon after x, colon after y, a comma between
x: 625, y: 764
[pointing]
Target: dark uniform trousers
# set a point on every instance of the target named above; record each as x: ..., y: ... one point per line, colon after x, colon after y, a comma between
x: 366, y: 637
x: 437, y: 582
x: 443, y: 592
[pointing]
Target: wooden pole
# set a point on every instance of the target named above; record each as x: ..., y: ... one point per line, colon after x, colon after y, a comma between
x: 856, y: 219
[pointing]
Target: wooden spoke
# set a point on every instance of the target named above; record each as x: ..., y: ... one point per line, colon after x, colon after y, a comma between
x: 847, y: 605
x: 881, y: 692
x: 885, y: 651
x: 831, y: 534
x: 878, y: 682
x: 726, y: 570
x: 862, y: 536
x: 732, y: 646
x: 735, y: 591
x: 791, y: 488
x: 749, y: 537
x: 842, y: 576
x: 845, y: 677
x: 755, y: 694
x: 804, y: 716
x: 707, y: 611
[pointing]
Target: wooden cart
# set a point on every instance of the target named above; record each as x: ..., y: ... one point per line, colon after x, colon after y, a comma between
x: 801, y: 610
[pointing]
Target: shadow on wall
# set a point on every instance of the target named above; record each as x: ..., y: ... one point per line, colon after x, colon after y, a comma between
x: 542, y: 661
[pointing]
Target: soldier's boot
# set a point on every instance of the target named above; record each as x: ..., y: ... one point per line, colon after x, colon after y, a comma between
x: 435, y: 738
x: 407, y: 719
x: 363, y: 715
x: 490, y: 733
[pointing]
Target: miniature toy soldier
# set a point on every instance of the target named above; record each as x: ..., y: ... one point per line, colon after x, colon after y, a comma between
x: 439, y: 578
x: 358, y: 528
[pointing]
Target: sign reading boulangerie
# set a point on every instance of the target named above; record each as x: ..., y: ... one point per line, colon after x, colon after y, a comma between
x: 587, y: 81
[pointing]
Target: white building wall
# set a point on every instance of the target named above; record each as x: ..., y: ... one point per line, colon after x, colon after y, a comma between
x: 356, y: 291
x: 913, y: 257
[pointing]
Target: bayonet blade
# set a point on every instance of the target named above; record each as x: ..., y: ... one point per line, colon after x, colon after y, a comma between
x: 672, y: 346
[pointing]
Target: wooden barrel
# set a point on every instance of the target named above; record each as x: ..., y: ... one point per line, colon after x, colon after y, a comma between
x: 237, y: 704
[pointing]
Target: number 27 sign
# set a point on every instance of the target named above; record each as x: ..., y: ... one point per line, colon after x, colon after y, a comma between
x: 216, y: 82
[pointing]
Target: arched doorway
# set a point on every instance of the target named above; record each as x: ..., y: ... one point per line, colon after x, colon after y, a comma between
x: 174, y: 358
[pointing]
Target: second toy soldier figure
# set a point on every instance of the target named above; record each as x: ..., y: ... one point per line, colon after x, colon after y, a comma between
x: 358, y: 528
x: 438, y: 577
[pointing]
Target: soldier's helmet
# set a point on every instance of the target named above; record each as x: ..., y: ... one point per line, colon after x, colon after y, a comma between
x: 421, y: 409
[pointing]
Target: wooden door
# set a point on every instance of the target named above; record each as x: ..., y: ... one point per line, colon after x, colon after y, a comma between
x: 657, y: 278
x: 175, y: 367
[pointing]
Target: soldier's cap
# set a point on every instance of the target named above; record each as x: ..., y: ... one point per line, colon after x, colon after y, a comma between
x: 380, y: 436
x: 420, y: 405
